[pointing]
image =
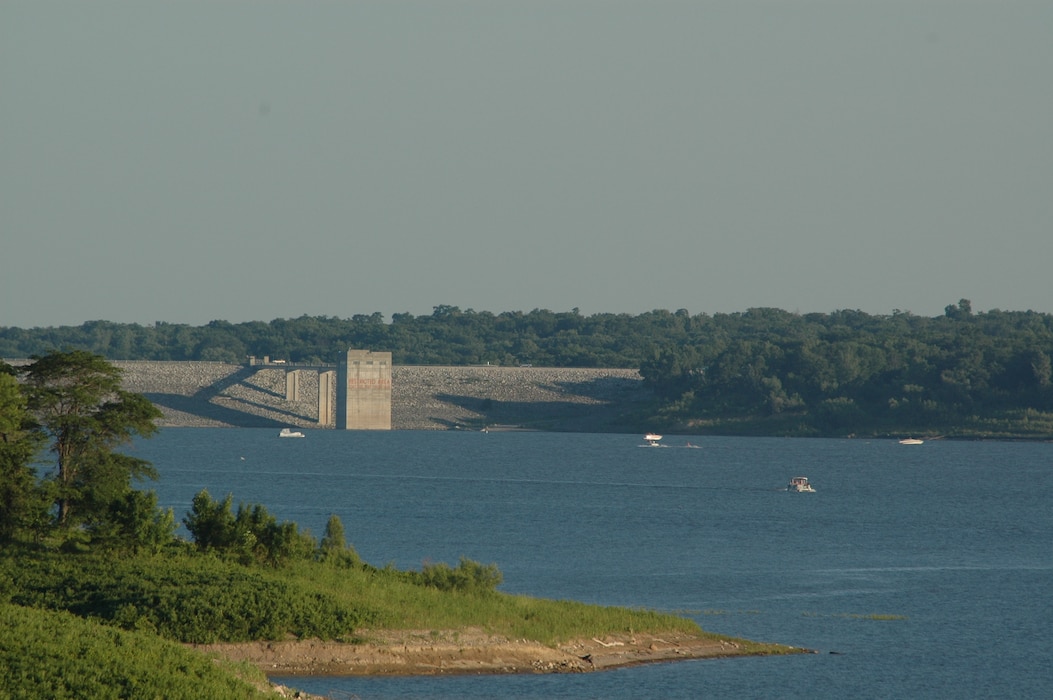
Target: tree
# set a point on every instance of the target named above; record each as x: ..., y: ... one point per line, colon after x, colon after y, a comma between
x: 211, y: 522
x: 135, y: 523
x: 333, y: 539
x: 333, y: 548
x: 76, y: 397
x: 20, y: 501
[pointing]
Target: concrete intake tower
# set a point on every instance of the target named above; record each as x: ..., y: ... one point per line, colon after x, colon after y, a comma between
x: 363, y: 391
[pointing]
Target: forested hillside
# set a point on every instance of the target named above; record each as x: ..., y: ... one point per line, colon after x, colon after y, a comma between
x: 449, y: 336
x: 848, y: 373
x: 759, y: 371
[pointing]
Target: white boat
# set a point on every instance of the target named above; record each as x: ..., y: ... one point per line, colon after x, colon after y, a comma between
x: 652, y: 439
x: 289, y: 432
x: 911, y: 441
x: 799, y: 484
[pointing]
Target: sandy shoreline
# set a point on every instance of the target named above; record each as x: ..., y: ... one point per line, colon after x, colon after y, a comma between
x: 406, y: 653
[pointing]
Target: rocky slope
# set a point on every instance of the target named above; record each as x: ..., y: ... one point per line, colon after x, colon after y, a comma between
x: 214, y: 394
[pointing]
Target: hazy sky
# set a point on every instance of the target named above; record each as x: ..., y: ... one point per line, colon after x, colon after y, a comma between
x: 194, y: 161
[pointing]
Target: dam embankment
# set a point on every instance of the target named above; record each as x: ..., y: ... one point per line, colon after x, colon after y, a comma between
x: 217, y: 394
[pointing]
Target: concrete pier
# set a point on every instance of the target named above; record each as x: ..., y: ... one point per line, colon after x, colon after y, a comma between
x: 326, y: 387
x: 292, y: 385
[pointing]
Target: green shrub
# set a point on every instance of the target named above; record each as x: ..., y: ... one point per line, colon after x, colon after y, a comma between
x: 57, y: 655
x: 469, y: 576
x: 253, y: 535
x: 187, y: 598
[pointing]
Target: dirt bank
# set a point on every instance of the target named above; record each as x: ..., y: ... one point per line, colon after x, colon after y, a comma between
x: 475, y: 652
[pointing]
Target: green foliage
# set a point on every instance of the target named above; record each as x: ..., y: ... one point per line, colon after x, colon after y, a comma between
x: 334, y: 549
x: 397, y: 600
x: 22, y: 504
x: 74, y: 400
x: 333, y: 540
x: 469, y: 576
x: 847, y: 373
x: 178, y: 595
x: 77, y: 398
x: 251, y: 535
x: 211, y: 523
x: 135, y: 523
x: 189, y: 596
x: 449, y: 335
x: 57, y: 655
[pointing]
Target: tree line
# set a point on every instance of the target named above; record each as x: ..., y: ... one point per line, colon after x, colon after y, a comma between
x: 448, y: 336
x: 761, y: 371
x: 847, y: 373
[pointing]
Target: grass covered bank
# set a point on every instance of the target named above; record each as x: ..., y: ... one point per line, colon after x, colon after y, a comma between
x: 46, y: 654
x: 314, y: 611
x: 199, y: 599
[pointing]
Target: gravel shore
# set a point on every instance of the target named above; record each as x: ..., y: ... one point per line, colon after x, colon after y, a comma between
x: 474, y: 651
x: 216, y: 394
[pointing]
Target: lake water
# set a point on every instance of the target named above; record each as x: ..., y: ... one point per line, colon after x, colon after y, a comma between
x: 928, y: 569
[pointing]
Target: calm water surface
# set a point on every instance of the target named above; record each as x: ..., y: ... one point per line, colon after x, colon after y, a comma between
x: 927, y: 569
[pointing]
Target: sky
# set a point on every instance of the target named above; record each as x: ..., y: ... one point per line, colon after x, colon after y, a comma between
x: 247, y: 161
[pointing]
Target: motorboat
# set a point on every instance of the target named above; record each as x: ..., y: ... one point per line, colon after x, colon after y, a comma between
x: 799, y: 484
x: 911, y: 441
x: 290, y: 433
x: 652, y: 439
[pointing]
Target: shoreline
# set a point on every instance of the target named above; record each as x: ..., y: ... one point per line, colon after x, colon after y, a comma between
x: 475, y: 652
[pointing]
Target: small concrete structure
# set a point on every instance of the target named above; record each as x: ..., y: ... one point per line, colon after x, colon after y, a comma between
x: 326, y: 385
x: 363, y: 391
x: 292, y: 385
